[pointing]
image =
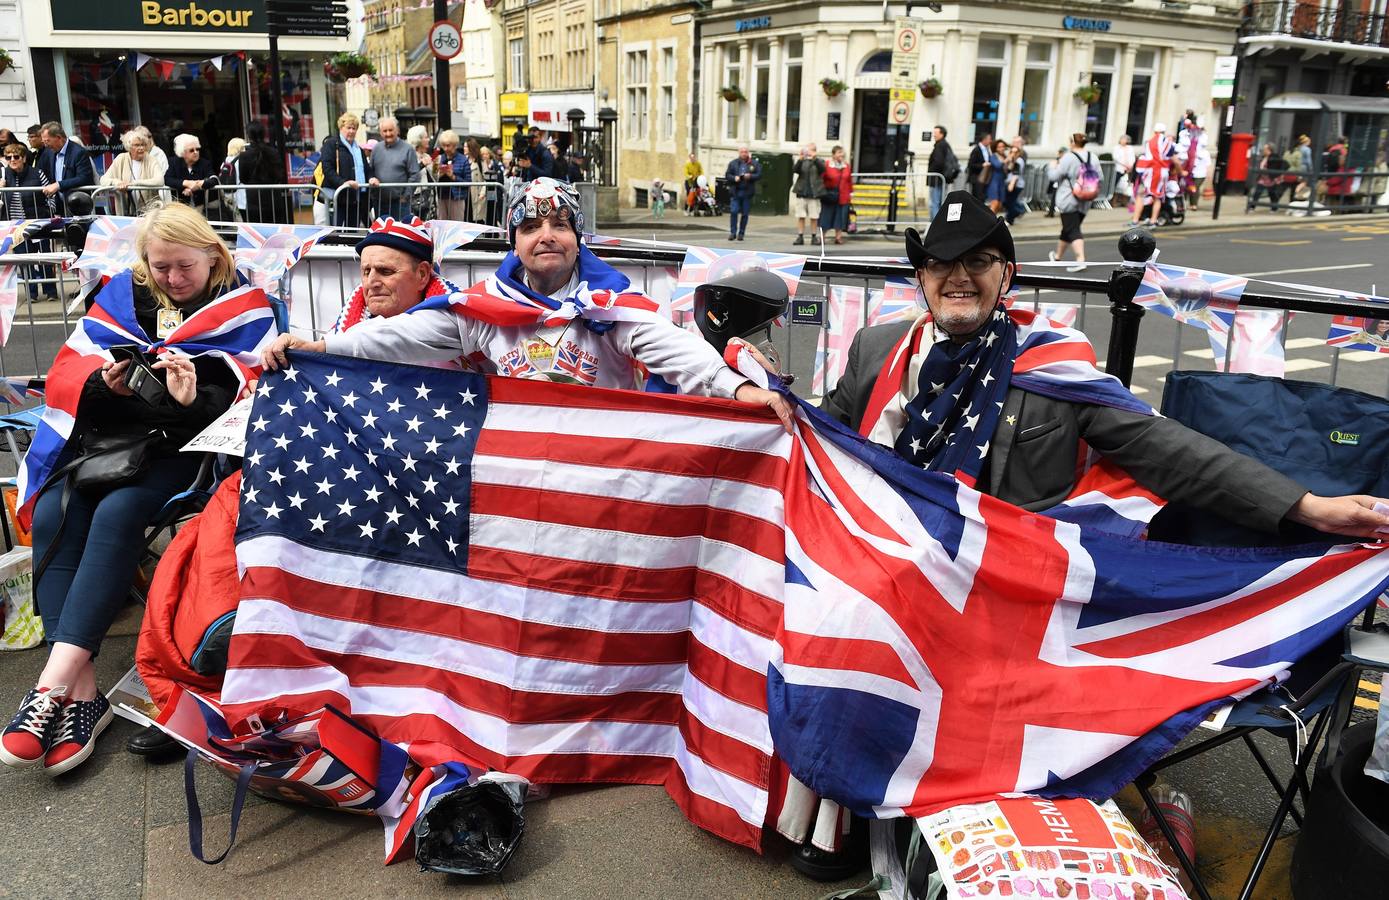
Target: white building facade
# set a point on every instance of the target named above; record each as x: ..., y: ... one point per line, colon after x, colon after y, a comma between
x: 19, y: 106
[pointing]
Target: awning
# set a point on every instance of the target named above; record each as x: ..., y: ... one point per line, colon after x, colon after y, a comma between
x: 1344, y: 103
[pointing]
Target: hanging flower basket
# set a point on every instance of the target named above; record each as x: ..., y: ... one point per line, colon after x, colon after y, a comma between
x: 1088, y: 94
x: 732, y: 94
x: 832, y: 86
x: 930, y: 88
x: 342, y: 66
x: 5, y: 60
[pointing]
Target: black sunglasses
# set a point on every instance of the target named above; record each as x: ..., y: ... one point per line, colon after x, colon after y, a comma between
x: 14, y: 155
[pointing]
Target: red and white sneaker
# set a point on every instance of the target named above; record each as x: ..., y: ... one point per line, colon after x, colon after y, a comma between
x: 75, y: 737
x: 30, y: 733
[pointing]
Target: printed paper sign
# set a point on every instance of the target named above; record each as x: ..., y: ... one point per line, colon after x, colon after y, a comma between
x: 225, y: 435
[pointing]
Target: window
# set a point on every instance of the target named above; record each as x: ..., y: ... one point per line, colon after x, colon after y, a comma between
x: 1140, y: 95
x: 1036, y: 86
x: 516, y: 71
x: 1097, y: 113
x: 793, y: 90
x: 733, y: 78
x: 988, y: 85
x: 667, y: 93
x: 762, y: 90
x: 638, y: 74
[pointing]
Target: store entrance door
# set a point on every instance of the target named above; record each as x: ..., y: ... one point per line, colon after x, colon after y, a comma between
x: 872, y: 150
x: 206, y: 106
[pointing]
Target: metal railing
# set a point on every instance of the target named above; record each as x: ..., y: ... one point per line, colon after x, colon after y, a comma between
x: 455, y: 200
x: 1330, y: 22
x: 28, y: 196
x: 908, y: 200
x: 1323, y: 193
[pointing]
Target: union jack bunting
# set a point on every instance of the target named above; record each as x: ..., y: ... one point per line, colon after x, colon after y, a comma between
x: 1257, y: 341
x: 449, y: 235
x: 264, y: 253
x: 705, y: 264
x: 235, y: 327
x: 580, y: 585
x: 16, y: 232
x: 899, y: 300
x: 109, y: 249
x: 9, y: 300
x: 1194, y: 297
x: 1063, y: 314
x: 845, y: 315
x: 1357, y: 333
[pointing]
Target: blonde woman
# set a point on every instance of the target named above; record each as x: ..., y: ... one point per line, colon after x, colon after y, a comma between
x: 477, y: 194
x: 137, y: 173
x: 87, y: 540
x: 231, y: 174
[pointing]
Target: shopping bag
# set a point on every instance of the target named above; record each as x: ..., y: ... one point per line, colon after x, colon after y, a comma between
x: 1377, y: 766
x: 22, y: 537
x: 20, y: 625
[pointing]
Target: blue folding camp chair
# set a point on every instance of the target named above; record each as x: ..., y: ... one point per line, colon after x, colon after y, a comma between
x: 1292, y: 427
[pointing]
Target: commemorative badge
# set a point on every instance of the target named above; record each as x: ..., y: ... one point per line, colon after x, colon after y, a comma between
x: 166, y: 321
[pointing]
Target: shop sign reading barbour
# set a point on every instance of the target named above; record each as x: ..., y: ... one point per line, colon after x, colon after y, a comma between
x: 215, y: 16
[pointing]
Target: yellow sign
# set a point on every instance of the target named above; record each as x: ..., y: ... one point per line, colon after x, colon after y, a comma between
x: 896, y: 94
x: 514, y: 106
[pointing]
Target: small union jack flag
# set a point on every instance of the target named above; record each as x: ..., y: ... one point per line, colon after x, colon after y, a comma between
x: 264, y: 253
x: 845, y: 317
x: 109, y: 250
x: 1360, y: 333
x: 572, y: 359
x: 705, y: 264
x: 898, y: 301
x: 1192, y: 296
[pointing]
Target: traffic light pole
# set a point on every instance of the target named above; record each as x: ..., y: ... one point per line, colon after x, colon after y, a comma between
x: 277, y: 102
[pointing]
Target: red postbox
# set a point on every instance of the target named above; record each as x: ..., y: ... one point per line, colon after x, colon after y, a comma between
x: 1237, y: 167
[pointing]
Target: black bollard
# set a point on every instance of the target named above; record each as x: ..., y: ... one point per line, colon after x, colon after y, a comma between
x: 1136, y: 246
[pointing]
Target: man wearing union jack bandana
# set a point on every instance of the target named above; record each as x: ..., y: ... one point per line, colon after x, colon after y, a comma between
x: 550, y: 294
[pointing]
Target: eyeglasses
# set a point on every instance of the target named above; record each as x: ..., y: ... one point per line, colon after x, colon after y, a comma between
x: 974, y: 263
x: 196, y: 149
x: 14, y: 155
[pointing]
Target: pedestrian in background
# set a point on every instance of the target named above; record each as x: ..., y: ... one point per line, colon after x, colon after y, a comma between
x: 1065, y: 172
x: 834, y: 199
x: 423, y: 202
x: 345, y: 163
x: 453, y: 168
x: 136, y: 174
x: 1269, y: 178
x: 996, y: 192
x: 1015, y: 182
x: 32, y: 204
x: 191, y: 177
x: 65, y: 162
x: 493, y: 174
x: 395, y: 162
x: 805, y: 192
x: 537, y: 161
x: 977, y: 169
x: 477, y: 192
x: 693, y: 169
x: 260, y: 164
x: 1124, y: 159
x: 742, y: 174
x: 229, y: 174
x: 944, y: 163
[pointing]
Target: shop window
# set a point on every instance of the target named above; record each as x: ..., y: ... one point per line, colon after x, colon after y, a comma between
x: 988, y: 85
x: 1140, y: 95
x: 296, y: 113
x: 1036, y: 88
x: 667, y: 93
x: 1097, y: 114
x: 638, y: 74
x: 733, y: 78
x: 794, y: 51
x: 762, y: 90
x: 101, y: 104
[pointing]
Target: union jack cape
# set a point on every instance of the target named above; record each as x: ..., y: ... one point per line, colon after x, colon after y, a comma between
x: 582, y: 585
x: 235, y: 328
x: 1155, y: 163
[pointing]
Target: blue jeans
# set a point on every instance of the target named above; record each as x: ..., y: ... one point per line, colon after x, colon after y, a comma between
x: 89, y: 575
x: 937, y: 196
x: 738, y: 206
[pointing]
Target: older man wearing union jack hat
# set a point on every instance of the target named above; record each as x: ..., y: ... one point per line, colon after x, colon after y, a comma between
x: 552, y: 310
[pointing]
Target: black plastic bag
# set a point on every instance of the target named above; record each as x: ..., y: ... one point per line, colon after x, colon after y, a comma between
x: 473, y: 830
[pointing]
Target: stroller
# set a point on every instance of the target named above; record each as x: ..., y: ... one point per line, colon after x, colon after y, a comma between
x: 1173, y: 209
x: 700, y: 201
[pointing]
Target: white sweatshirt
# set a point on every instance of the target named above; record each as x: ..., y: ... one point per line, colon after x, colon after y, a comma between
x: 572, y: 351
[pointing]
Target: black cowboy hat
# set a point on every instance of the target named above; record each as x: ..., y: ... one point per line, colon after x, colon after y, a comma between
x: 962, y: 224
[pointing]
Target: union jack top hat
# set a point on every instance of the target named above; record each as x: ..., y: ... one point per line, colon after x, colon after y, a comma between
x: 411, y: 237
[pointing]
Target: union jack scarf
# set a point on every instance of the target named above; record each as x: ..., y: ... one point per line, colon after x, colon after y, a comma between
x: 235, y: 327
x: 601, y: 298
x: 946, y: 422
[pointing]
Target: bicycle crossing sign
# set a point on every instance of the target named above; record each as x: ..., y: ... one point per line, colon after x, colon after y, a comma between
x: 445, y: 40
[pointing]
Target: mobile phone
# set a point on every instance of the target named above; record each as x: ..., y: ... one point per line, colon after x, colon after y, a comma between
x: 144, y: 381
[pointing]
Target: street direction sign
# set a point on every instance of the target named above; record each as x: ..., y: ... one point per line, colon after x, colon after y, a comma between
x: 445, y: 40
x: 306, y: 18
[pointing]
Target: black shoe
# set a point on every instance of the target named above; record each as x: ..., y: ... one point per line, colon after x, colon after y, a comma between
x: 815, y: 239
x: 800, y: 239
x: 740, y: 237
x: 151, y: 741
x: 733, y: 237
x: 821, y: 865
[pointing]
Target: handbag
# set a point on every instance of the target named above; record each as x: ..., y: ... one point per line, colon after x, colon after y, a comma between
x: 112, y: 460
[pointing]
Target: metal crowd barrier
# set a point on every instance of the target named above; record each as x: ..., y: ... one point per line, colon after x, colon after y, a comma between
x: 885, y: 200
x: 25, y: 196
x: 1323, y: 193
x: 321, y: 283
x: 453, y: 200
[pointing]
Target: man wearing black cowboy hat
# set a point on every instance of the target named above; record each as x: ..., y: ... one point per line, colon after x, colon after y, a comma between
x: 989, y: 397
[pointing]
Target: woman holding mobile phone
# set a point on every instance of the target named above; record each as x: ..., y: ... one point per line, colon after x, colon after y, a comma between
x: 88, y: 537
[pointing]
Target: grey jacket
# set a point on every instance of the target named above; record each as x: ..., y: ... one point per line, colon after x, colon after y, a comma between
x: 1064, y: 172
x: 1032, y: 462
x: 809, y: 177
x: 395, y: 163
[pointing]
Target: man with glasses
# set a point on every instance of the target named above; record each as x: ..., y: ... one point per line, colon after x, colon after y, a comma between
x: 65, y: 163
x: 1005, y: 402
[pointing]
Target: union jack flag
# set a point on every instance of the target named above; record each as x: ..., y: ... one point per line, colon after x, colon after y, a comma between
x: 1206, y: 300
x: 845, y: 316
x: 235, y: 328
x: 1063, y: 314
x: 109, y: 249
x: 264, y: 253
x: 9, y: 300
x: 705, y: 264
x: 449, y: 235
x: 490, y: 593
x: 572, y: 359
x: 1257, y: 339
x: 1154, y: 164
x: 1359, y: 333
x: 899, y: 300
x: 16, y: 232
x: 516, y: 364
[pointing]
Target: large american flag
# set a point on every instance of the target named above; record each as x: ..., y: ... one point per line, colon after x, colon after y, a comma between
x: 580, y: 585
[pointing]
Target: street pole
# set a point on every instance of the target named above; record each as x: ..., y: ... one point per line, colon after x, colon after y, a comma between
x: 1223, y: 141
x: 443, y: 106
x: 277, y: 101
